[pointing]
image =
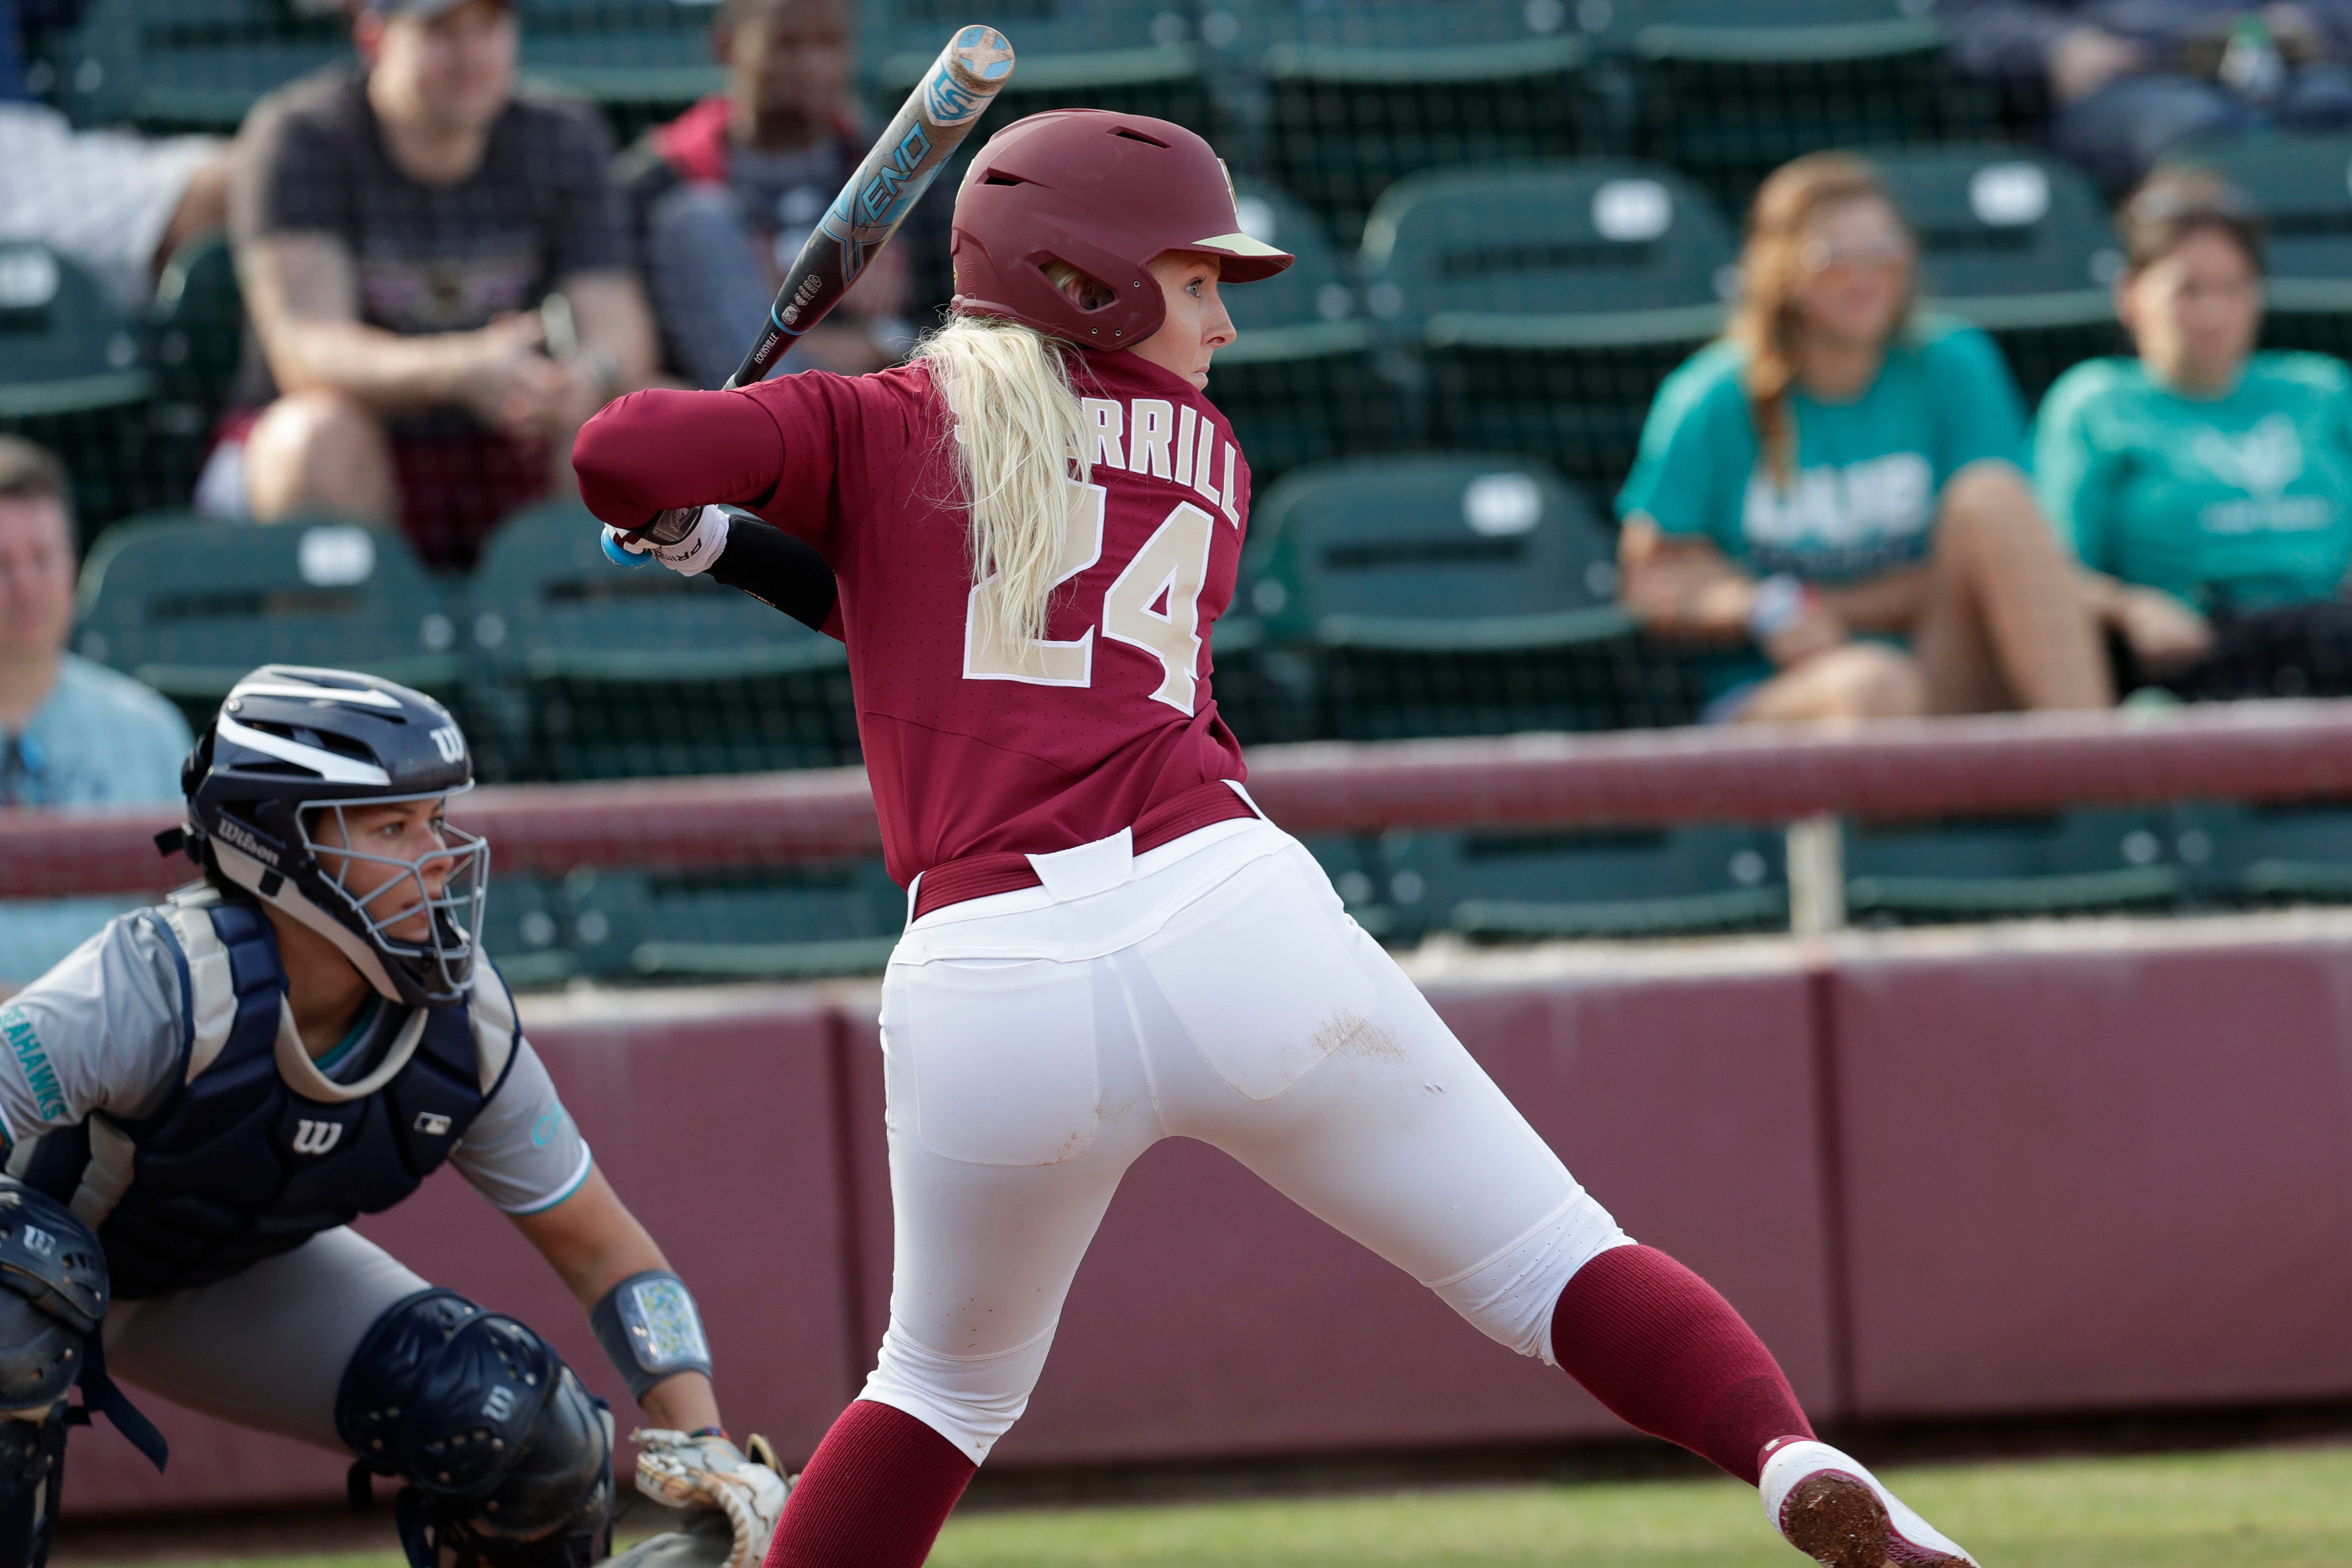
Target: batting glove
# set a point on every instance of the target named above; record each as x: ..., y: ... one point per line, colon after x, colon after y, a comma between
x: 689, y: 557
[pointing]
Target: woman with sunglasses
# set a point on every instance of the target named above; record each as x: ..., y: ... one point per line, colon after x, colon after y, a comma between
x: 2207, y: 489
x: 1841, y: 484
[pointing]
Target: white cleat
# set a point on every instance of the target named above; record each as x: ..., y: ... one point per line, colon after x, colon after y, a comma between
x: 1835, y: 1512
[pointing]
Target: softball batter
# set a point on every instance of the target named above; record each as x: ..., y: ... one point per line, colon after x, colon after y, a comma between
x: 1033, y: 527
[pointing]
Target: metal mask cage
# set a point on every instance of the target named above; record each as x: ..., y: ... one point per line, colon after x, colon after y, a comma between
x: 445, y: 957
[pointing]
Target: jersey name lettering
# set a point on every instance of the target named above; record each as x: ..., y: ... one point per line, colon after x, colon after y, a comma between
x: 1166, y: 442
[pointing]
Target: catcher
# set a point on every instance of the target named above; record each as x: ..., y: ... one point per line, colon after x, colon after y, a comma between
x: 198, y: 1101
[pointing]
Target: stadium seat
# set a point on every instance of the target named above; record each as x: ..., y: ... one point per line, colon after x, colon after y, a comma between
x: 592, y: 671
x: 2077, y: 862
x: 2303, y: 188
x: 1449, y: 594
x: 642, y: 61
x: 523, y: 932
x: 1730, y: 90
x: 780, y: 923
x: 1645, y: 882
x: 2016, y: 242
x: 2239, y: 855
x: 191, y: 65
x: 196, y: 330
x: 71, y: 377
x: 1360, y: 96
x: 1547, y: 301
x: 1302, y: 381
x: 188, y: 606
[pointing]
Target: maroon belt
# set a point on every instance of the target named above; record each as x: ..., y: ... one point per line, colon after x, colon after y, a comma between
x: 977, y: 876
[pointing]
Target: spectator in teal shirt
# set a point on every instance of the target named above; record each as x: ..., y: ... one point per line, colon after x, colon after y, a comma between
x: 1841, y: 485
x: 72, y: 734
x: 2207, y: 489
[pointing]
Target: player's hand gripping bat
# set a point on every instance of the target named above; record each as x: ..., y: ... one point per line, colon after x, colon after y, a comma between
x: 943, y: 108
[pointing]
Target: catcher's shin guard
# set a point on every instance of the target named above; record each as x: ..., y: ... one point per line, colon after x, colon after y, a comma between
x: 509, y: 1459
x: 32, y: 1471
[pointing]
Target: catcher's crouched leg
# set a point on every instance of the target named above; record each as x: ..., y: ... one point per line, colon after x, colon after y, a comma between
x: 507, y: 1458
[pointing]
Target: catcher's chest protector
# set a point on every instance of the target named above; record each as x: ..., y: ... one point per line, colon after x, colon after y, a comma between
x: 235, y: 1166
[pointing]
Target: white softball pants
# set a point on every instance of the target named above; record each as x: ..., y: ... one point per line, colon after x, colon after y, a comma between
x: 1037, y: 1042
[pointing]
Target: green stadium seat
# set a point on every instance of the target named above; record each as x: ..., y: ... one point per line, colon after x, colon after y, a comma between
x: 1302, y: 383
x: 1546, y: 301
x: 1443, y: 595
x: 1648, y: 883
x: 784, y: 924
x: 592, y: 671
x: 2016, y: 242
x: 523, y: 932
x: 1360, y: 96
x: 196, y: 330
x: 2303, y: 188
x: 71, y: 377
x: 1730, y: 90
x: 190, y: 65
x: 2075, y: 863
x: 188, y: 606
x: 2260, y: 855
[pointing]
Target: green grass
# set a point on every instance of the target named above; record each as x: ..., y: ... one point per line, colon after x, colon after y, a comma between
x: 2257, y: 1509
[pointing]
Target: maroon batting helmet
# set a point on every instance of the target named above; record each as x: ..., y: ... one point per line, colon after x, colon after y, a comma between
x: 1103, y: 193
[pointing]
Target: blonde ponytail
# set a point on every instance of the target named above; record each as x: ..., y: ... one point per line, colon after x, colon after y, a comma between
x: 1019, y: 438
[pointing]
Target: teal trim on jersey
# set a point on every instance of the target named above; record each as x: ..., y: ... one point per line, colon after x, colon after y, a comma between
x: 579, y: 1179
x: 345, y: 1049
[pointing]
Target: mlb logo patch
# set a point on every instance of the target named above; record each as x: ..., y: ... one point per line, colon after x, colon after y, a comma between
x: 432, y: 1123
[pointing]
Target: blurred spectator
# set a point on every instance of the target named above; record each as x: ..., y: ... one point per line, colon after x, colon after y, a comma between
x: 2206, y: 488
x: 116, y: 202
x: 725, y: 195
x: 71, y: 732
x: 401, y: 227
x: 1844, y: 486
x: 2127, y: 78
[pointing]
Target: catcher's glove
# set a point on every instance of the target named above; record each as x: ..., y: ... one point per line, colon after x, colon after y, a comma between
x: 712, y: 1480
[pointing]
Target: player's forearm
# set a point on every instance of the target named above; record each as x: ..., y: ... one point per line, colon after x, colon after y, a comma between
x: 383, y: 371
x: 654, y: 450
x: 780, y: 571
x: 685, y: 1403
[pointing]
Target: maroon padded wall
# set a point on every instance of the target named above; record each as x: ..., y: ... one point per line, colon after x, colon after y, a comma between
x: 2100, y: 1179
x: 1944, y: 1176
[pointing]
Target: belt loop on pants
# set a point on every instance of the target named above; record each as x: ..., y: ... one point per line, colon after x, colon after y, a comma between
x: 979, y: 876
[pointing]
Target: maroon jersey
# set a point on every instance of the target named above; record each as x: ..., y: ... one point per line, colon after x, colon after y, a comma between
x: 972, y: 749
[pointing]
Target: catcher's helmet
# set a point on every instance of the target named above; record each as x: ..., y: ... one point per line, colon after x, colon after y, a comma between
x: 1105, y: 194
x: 292, y: 744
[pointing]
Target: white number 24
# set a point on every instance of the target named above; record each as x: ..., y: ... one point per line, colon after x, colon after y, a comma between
x: 1173, y: 564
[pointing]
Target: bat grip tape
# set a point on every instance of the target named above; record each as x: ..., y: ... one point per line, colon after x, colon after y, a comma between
x: 650, y: 1327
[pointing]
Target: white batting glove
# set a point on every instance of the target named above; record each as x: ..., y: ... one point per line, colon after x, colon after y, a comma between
x: 689, y: 557
x: 701, y: 1474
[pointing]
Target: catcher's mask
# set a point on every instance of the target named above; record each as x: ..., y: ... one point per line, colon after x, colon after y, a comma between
x: 294, y: 747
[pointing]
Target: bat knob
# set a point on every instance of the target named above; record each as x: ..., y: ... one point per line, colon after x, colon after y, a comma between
x: 620, y: 555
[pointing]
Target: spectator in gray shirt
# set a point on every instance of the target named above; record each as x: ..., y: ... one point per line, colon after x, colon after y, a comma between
x: 72, y: 734
x: 399, y: 229
x: 2127, y: 78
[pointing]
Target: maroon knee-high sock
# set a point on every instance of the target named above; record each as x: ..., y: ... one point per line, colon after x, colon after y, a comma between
x: 874, y: 1496
x: 1653, y: 1342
